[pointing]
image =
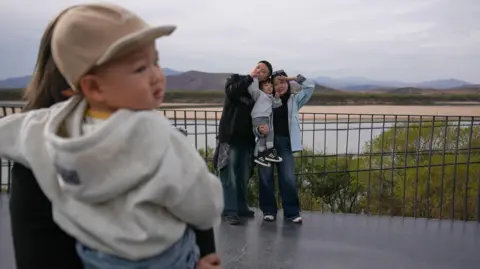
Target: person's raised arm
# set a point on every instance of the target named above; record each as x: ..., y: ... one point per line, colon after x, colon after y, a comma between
x: 306, y: 91
x: 237, y: 85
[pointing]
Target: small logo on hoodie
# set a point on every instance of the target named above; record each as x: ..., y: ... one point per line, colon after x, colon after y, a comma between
x: 68, y: 176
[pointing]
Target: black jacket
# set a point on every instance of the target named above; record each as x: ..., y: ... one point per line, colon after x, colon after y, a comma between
x: 236, y: 123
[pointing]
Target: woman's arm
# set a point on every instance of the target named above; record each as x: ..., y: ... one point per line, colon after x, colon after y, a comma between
x: 205, y: 241
x: 33, y: 227
x: 307, y: 88
x: 237, y: 85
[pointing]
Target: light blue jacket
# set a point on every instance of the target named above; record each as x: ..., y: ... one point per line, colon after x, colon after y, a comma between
x: 295, y: 103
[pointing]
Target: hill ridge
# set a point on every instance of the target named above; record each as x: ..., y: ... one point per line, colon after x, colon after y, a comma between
x: 197, y: 80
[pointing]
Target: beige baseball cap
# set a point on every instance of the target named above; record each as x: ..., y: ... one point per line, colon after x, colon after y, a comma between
x: 89, y: 35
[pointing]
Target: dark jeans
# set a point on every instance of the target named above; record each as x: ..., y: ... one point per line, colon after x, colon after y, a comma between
x: 286, y: 180
x: 234, y: 179
x: 183, y: 254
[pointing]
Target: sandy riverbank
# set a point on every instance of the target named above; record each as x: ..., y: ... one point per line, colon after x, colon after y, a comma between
x: 320, y: 112
x: 330, y: 112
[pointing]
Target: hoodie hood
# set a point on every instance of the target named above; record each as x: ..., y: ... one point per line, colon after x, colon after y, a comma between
x: 98, y: 166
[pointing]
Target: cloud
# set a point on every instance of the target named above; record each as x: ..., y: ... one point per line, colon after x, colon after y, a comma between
x: 382, y: 39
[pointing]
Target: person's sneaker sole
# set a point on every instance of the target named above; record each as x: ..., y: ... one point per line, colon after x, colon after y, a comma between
x: 297, y: 220
x: 269, y: 218
x: 262, y: 164
x: 279, y: 160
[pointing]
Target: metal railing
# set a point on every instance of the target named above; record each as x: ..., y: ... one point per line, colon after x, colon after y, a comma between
x: 399, y: 165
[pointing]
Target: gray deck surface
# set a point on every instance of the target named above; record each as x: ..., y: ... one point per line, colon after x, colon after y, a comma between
x: 328, y: 241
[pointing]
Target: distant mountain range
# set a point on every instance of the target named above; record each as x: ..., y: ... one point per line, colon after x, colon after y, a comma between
x: 170, y: 72
x: 16, y: 82
x: 21, y: 82
x: 364, y: 84
x: 203, y: 81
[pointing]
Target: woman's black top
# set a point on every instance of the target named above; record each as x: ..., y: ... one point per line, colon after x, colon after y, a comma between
x: 280, y: 117
x: 38, y: 241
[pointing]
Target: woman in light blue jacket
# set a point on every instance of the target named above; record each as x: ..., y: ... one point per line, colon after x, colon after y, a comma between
x: 287, y: 141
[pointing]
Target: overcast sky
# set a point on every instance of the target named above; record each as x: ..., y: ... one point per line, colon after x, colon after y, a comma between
x: 409, y: 40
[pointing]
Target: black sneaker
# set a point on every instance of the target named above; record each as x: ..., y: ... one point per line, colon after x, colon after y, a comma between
x: 246, y: 214
x: 261, y: 161
x: 272, y: 156
x: 232, y: 220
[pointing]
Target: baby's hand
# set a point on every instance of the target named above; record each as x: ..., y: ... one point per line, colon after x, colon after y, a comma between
x: 263, y: 129
x: 277, y: 96
x: 211, y: 261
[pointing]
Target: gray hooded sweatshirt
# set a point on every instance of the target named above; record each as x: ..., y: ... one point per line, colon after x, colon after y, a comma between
x: 263, y: 102
x: 128, y: 188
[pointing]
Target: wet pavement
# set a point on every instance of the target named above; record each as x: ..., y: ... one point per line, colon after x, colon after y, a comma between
x: 331, y: 241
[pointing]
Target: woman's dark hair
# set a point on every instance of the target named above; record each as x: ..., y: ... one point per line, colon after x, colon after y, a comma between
x: 268, y: 80
x: 278, y: 73
x: 284, y: 74
x: 47, y: 83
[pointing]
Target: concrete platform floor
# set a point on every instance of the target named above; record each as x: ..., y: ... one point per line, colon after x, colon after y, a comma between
x: 329, y: 241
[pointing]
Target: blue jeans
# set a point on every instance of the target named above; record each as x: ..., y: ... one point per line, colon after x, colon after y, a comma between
x: 286, y: 180
x: 234, y: 179
x: 181, y: 255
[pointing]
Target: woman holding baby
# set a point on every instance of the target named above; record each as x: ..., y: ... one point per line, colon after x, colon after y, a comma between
x: 287, y: 140
x: 239, y: 124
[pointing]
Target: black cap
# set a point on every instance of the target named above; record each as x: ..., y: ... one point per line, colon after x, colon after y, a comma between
x: 279, y: 73
x: 269, y: 66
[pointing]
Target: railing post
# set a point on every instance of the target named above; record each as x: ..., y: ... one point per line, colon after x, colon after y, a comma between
x: 1, y: 176
x: 9, y: 175
x: 478, y: 199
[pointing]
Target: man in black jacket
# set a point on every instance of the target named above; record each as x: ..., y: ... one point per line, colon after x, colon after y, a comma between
x: 237, y: 142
